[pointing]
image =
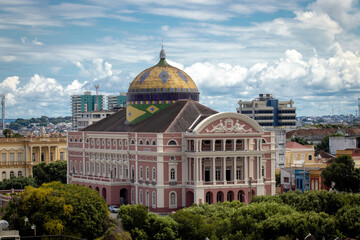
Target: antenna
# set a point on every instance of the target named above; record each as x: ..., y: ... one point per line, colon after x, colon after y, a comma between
x: 3, y: 110
x: 96, y: 107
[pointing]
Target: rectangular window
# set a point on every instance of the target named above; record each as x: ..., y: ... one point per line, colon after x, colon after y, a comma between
x: 62, y: 156
x: 51, y: 157
x: 239, y: 173
x: 218, y: 174
x: 310, y: 157
x: 286, y: 179
x: 33, y: 157
x: 12, y: 156
x: 19, y: 157
x: 4, y: 157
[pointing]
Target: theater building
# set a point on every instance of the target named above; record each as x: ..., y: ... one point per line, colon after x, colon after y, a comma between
x: 167, y: 151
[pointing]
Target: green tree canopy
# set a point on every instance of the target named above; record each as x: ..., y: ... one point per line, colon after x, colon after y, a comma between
x: 342, y: 172
x: 17, y: 183
x: 57, y: 208
x: 53, y: 171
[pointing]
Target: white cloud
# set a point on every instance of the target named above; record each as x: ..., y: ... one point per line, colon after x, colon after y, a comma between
x: 10, y: 83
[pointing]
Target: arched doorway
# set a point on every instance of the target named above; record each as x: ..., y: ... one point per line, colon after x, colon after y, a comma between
x: 97, y: 189
x: 209, y: 197
x: 123, y: 196
x: 230, y: 196
x: 189, y: 199
x: 104, y: 193
x: 219, y: 197
x: 241, y: 196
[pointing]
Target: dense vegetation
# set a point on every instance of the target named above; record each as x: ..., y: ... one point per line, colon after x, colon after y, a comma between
x: 56, y: 208
x: 42, y: 121
x: 53, y: 171
x: 343, y: 174
x: 287, y: 216
x: 42, y: 173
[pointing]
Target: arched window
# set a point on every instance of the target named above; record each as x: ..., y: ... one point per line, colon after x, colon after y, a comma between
x: 172, y: 158
x: 141, y: 196
x: 80, y: 139
x: 132, y: 142
x: 71, y: 166
x: 87, y: 167
x: 120, y: 142
x: 104, y: 169
x: 172, y: 142
x: 87, y: 140
x: 70, y: 139
x: 11, y: 174
x: 19, y: 173
x: 263, y: 140
x: 141, y: 142
x: 80, y: 167
x: 75, y: 139
x: 219, y: 197
x: 154, y: 199
x: 147, y: 173
x: 132, y: 196
x: 147, y: 198
x: 3, y: 175
x: 153, y: 142
x: 172, y: 174
x: 132, y: 172
x: 114, y: 143
x: 147, y: 142
x: 141, y: 173
x: 172, y: 200
x: 154, y: 174
x: 75, y: 167
x: 263, y: 171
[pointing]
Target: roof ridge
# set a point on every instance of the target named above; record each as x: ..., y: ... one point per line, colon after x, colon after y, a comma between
x: 182, y: 109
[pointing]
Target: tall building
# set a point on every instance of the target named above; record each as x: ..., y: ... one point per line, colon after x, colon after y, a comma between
x: 268, y: 111
x: 116, y: 101
x: 85, y: 103
x: 168, y: 151
x: 20, y: 154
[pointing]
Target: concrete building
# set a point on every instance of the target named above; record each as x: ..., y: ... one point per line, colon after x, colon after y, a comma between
x: 85, y: 103
x: 268, y: 111
x: 116, y: 101
x: 20, y: 154
x: 167, y: 151
x: 298, y: 155
x: 88, y: 118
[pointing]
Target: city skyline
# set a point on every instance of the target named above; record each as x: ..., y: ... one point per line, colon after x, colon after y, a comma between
x: 306, y: 51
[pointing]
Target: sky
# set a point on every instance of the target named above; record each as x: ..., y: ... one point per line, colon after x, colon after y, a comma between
x: 307, y: 51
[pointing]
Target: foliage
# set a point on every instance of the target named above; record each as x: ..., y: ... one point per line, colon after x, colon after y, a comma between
x: 17, y: 183
x: 349, y: 221
x: 324, y: 144
x: 278, y: 179
x: 57, y: 208
x: 42, y: 121
x: 53, y: 171
x: 300, y: 140
x: 8, y: 133
x: 113, y: 234
x: 342, y: 172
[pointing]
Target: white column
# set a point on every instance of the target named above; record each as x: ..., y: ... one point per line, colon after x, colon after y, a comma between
x: 213, y: 170
x: 234, y: 146
x: 234, y: 169
x: 224, y: 169
x: 213, y: 145
x: 200, y: 170
x: 246, y: 168
x: 224, y: 144
x: 194, y: 170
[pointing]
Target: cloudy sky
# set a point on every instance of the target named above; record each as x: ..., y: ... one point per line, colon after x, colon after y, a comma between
x: 303, y: 50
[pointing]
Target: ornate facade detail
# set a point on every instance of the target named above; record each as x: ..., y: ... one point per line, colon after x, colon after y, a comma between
x: 228, y: 126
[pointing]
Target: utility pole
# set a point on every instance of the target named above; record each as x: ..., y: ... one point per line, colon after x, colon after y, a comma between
x: 96, y: 98
x: 3, y: 110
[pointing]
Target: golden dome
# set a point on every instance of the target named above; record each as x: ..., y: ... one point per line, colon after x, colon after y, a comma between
x: 162, y: 76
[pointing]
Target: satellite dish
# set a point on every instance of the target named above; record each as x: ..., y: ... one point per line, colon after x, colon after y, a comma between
x: 4, y: 224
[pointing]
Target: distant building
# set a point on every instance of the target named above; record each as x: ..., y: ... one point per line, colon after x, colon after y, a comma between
x: 116, y: 101
x: 298, y: 155
x: 268, y: 111
x: 88, y: 118
x: 20, y: 154
x: 280, y: 146
x: 312, y: 135
x: 85, y: 103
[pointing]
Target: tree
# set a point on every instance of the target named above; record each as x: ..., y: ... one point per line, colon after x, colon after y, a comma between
x: 56, y: 208
x: 8, y: 133
x: 278, y: 179
x: 54, y: 171
x: 300, y: 140
x: 17, y: 183
x: 342, y: 172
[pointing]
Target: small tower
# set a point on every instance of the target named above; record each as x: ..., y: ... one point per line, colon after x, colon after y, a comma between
x: 3, y: 110
x: 96, y: 107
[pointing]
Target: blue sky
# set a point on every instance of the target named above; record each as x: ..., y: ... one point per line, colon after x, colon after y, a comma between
x: 307, y: 51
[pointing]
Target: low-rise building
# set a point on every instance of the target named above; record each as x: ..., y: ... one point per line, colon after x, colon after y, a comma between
x: 88, y: 118
x: 298, y: 155
x: 20, y: 154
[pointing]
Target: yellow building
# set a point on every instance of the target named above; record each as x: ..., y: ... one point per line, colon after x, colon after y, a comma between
x: 299, y: 155
x: 20, y: 154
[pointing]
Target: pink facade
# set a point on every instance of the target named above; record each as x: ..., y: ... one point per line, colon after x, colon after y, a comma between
x: 224, y: 157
